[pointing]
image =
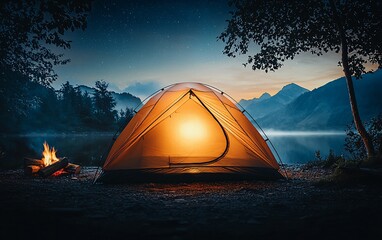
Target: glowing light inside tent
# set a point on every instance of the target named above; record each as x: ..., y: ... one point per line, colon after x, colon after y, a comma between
x: 193, y: 129
x: 193, y: 170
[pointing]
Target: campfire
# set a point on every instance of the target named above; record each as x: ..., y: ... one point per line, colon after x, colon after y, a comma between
x: 49, y: 164
x: 49, y: 156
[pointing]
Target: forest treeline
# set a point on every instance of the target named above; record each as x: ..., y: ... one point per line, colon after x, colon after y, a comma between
x: 27, y: 107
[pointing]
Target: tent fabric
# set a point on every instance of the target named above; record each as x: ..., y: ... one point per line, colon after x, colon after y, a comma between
x: 189, y: 125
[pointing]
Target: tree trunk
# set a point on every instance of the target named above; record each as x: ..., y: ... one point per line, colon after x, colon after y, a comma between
x: 349, y: 82
x: 354, y: 109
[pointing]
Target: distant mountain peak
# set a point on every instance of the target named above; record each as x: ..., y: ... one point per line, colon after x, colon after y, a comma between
x: 293, y: 86
x: 265, y: 96
x: 259, y: 107
x: 290, y: 92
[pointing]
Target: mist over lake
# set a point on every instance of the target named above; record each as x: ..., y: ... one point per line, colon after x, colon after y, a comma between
x: 300, y: 146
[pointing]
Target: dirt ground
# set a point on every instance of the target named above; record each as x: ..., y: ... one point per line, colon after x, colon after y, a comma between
x: 68, y: 207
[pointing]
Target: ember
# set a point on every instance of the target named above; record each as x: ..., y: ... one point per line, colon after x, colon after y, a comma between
x: 59, y: 172
x: 49, y: 164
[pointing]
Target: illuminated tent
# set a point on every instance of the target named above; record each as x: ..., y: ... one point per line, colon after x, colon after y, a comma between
x: 189, y: 130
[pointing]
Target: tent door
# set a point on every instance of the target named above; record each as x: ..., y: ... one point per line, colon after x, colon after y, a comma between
x: 199, y: 134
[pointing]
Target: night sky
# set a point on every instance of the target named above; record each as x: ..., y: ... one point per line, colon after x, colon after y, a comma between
x: 141, y: 46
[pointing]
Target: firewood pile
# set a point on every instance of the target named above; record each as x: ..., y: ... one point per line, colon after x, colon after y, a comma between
x: 36, y: 167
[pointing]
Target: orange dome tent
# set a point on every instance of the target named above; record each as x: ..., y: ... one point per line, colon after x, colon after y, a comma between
x: 189, y: 130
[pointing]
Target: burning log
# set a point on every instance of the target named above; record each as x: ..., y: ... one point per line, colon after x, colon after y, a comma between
x: 31, y: 170
x: 49, y: 170
x: 32, y: 166
x: 33, y: 162
x: 73, y: 168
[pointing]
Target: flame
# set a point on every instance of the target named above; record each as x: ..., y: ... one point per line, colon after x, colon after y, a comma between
x: 49, y: 155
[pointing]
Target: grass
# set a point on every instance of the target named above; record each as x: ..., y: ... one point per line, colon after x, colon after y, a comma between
x: 332, y: 161
x: 345, y: 171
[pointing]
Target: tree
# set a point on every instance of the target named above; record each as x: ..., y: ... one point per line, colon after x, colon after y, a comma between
x: 46, y: 116
x: 29, y: 28
x: 283, y: 29
x: 25, y: 105
x: 124, y: 116
x: 85, y: 109
x: 104, y: 104
x: 16, y: 99
x: 70, y: 101
x: 76, y: 108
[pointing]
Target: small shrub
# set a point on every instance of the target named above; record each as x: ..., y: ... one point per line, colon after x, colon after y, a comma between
x: 331, y: 161
x: 353, y: 141
x: 317, y: 162
x: 317, y: 155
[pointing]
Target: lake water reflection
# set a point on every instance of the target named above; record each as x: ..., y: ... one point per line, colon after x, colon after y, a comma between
x: 300, y: 147
x: 86, y: 149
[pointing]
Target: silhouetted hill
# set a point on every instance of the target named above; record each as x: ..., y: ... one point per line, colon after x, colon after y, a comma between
x: 260, y: 108
x: 123, y: 99
x: 328, y: 107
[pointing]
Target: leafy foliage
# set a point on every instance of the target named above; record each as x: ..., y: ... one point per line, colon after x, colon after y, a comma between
x: 353, y: 141
x: 279, y: 30
x: 14, y: 93
x: 32, y: 31
x: 17, y: 98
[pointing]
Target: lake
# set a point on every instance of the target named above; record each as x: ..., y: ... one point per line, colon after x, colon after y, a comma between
x: 300, y: 147
x: 87, y: 149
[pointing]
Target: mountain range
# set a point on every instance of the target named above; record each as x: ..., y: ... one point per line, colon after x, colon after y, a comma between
x: 324, y: 108
x: 297, y: 108
x: 266, y: 104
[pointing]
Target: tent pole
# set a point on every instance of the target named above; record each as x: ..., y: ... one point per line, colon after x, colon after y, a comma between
x: 257, y: 124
